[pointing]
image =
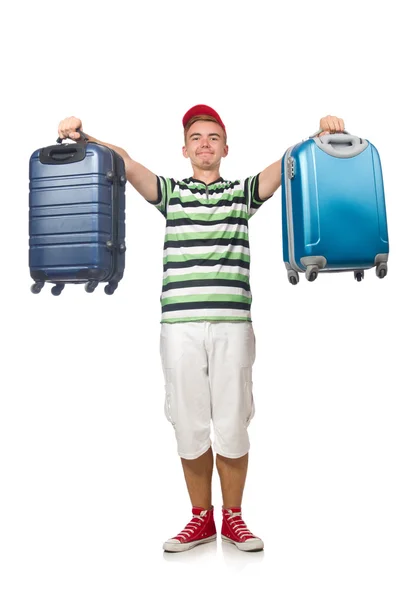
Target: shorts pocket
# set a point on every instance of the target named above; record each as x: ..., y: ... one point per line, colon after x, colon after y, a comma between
x: 248, y: 395
x: 172, y: 344
x: 248, y: 343
x: 169, y: 396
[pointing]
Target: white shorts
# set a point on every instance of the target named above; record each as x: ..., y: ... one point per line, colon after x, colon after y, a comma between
x: 208, y: 375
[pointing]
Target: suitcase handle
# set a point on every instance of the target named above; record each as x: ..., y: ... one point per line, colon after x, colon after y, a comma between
x: 83, y: 137
x: 69, y: 153
x: 341, y: 145
x: 321, y: 130
x: 62, y: 154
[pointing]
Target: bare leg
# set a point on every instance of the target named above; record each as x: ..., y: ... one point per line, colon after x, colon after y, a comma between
x: 198, y: 475
x: 232, y: 473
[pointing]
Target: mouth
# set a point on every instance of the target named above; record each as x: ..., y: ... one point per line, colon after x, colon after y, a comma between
x: 200, y: 153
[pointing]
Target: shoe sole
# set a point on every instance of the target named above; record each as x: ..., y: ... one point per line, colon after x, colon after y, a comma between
x: 250, y: 546
x: 168, y: 547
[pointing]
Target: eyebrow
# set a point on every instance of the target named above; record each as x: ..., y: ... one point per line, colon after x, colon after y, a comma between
x: 211, y: 134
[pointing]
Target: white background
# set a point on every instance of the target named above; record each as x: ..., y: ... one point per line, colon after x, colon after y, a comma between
x: 91, y: 484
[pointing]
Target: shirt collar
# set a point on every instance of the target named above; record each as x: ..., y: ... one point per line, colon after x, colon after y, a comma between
x: 220, y: 180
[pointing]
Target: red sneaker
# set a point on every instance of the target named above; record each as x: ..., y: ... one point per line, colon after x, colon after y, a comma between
x: 235, y: 531
x: 200, y: 530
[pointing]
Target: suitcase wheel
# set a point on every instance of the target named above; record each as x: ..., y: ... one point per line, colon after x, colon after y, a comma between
x: 57, y: 289
x: 358, y: 275
x: 381, y: 270
x: 110, y: 288
x: 311, y: 272
x: 293, y: 277
x: 90, y: 286
x: 37, y: 287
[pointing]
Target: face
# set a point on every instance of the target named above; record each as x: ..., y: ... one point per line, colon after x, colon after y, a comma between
x: 205, y: 145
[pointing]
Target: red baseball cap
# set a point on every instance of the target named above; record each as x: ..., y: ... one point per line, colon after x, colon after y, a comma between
x: 202, y: 109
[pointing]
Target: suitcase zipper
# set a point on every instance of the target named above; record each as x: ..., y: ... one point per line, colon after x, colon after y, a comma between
x: 113, y: 244
x: 115, y: 211
x: 289, y: 174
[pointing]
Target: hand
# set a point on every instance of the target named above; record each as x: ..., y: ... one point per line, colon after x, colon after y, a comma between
x: 330, y: 124
x: 67, y: 128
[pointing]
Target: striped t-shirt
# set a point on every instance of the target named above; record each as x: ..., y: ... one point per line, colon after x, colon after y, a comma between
x: 206, y: 256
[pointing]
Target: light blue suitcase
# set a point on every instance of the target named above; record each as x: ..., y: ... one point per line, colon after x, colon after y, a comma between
x: 333, y: 207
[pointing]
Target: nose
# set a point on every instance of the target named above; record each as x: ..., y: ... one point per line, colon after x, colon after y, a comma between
x: 204, y: 143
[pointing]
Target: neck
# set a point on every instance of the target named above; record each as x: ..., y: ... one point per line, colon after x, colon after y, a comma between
x: 206, y: 176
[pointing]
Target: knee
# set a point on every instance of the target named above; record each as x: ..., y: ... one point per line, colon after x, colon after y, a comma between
x: 231, y: 443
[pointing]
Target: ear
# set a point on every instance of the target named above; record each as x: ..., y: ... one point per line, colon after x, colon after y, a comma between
x: 225, y: 151
x: 184, y: 152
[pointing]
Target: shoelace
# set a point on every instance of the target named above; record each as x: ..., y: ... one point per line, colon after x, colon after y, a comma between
x: 191, y: 527
x: 238, y: 526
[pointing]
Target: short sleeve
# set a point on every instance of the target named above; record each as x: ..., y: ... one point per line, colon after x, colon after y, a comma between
x: 251, y: 192
x: 164, y: 185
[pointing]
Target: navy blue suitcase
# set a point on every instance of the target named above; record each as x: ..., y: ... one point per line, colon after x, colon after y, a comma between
x: 76, y: 216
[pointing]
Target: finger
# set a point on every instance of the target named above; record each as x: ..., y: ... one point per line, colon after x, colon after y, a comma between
x: 327, y: 123
x: 63, y: 128
x: 337, y: 125
x: 332, y: 124
x: 70, y: 130
x: 326, y: 132
x: 323, y: 123
x: 76, y: 125
x: 67, y: 128
x: 61, y: 132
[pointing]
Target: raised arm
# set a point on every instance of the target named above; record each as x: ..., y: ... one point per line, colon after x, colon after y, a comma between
x: 270, y: 178
x: 143, y: 180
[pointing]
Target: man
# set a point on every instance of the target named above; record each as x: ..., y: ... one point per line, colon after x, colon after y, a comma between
x: 207, y: 337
